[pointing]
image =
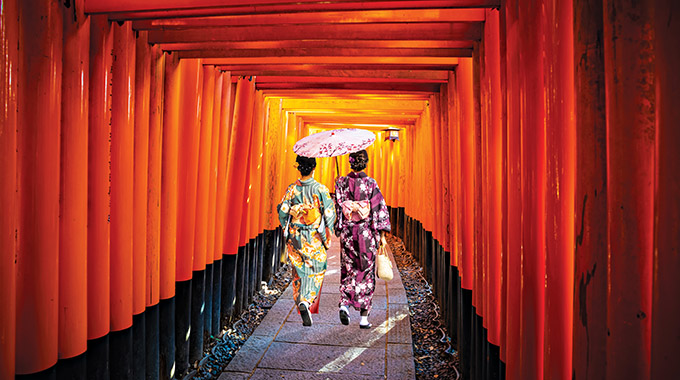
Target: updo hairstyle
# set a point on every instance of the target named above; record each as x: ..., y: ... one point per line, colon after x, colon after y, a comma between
x: 306, y: 165
x: 358, y: 160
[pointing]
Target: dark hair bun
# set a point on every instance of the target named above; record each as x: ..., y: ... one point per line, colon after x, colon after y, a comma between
x: 358, y: 160
x: 306, y: 165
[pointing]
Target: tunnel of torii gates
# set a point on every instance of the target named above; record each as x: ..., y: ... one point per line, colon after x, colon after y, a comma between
x: 144, y: 146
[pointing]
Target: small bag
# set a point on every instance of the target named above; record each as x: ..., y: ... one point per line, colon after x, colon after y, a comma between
x: 383, y: 264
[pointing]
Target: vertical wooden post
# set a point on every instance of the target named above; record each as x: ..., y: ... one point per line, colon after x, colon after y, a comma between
x: 560, y: 202
x: 9, y: 59
x: 187, y: 177
x: 142, y: 86
x: 590, y: 256
x: 236, y: 171
x: 169, y: 185
x: 99, y: 183
x: 38, y: 143
x: 665, y: 329
x: 467, y: 152
x: 203, y: 182
x: 74, y: 173
x: 630, y: 100
x: 533, y: 189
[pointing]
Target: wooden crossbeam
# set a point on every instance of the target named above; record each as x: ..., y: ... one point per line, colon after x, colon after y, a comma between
x: 311, y: 43
x: 157, y: 9
x: 416, y: 75
x: 466, y: 31
x: 307, y: 52
x: 347, y: 17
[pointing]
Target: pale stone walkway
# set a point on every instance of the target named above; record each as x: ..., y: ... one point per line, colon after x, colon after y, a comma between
x: 281, y: 347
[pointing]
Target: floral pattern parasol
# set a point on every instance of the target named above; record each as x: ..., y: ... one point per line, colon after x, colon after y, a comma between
x: 334, y: 142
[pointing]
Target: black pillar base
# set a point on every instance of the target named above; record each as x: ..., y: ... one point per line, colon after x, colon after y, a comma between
x: 182, y: 326
x: 208, y: 313
x: 74, y: 368
x: 98, y: 358
x: 229, y: 274
x: 139, y: 346
x: 152, y: 343
x: 166, y: 339
x: 197, y: 313
x: 120, y: 354
x: 216, y: 298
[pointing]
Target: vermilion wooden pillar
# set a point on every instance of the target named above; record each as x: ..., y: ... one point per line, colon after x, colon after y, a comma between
x: 169, y: 186
x: 514, y: 169
x: 204, y: 155
x: 213, y: 253
x: 73, y: 218
x: 254, y: 193
x: 99, y: 179
x: 9, y: 60
x: 38, y: 141
x: 225, y: 131
x: 153, y: 209
x: 236, y: 172
x: 446, y: 164
x: 454, y: 167
x: 590, y: 257
x: 665, y: 308
x: 495, y: 173
x: 629, y: 84
x: 467, y: 153
x: 142, y: 86
x: 187, y: 171
x: 532, y: 115
x: 122, y: 176
x: 560, y: 202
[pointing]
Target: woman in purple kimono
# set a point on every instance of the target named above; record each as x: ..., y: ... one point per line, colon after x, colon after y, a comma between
x: 362, y: 219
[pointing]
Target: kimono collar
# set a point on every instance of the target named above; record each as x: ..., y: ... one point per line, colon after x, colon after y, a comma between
x: 360, y: 174
x: 306, y: 182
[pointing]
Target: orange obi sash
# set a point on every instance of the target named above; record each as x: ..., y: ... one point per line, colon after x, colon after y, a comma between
x: 304, y: 214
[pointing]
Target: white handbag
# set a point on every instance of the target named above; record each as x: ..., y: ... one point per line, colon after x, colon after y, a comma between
x: 383, y: 264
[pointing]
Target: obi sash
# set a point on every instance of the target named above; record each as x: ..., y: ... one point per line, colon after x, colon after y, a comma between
x: 356, y: 210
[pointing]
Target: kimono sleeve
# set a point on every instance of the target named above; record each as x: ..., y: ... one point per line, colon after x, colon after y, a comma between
x: 284, y: 207
x: 340, y: 196
x: 381, y: 216
x: 328, y: 208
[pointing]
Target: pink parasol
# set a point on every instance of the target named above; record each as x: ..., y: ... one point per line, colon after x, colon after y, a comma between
x: 335, y: 142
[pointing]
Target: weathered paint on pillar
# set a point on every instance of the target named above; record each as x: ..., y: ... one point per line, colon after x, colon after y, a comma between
x: 666, y: 308
x: 38, y: 143
x: 590, y: 255
x: 142, y: 88
x: 9, y: 61
x: 629, y: 84
x: 169, y: 186
x: 467, y: 162
x: 236, y: 171
x: 187, y: 170
x: 225, y: 131
x: 204, y: 153
x: 122, y: 175
x: 533, y: 189
x: 213, y: 253
x: 153, y: 209
x: 73, y: 218
x: 561, y: 174
x: 99, y: 180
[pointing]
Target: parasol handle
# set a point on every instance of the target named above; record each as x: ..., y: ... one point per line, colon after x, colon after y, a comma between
x: 337, y: 168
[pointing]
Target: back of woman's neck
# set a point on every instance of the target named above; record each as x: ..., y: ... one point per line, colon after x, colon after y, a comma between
x: 306, y: 177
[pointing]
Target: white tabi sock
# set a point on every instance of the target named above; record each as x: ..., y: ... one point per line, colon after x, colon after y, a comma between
x: 364, y: 320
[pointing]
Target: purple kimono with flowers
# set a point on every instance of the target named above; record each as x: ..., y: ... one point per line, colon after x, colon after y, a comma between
x: 359, y: 241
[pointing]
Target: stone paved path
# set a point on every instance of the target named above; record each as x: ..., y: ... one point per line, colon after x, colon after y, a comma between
x: 282, y: 348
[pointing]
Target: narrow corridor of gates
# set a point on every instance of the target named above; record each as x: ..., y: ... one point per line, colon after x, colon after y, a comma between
x: 145, y: 144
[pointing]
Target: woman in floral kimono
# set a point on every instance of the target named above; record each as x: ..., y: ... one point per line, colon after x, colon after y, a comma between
x: 362, y: 220
x: 307, y: 215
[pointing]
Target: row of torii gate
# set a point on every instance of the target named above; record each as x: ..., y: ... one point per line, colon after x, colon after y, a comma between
x: 144, y: 146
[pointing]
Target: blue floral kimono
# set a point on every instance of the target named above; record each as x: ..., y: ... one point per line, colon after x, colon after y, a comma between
x: 359, y: 239
x: 307, y: 215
